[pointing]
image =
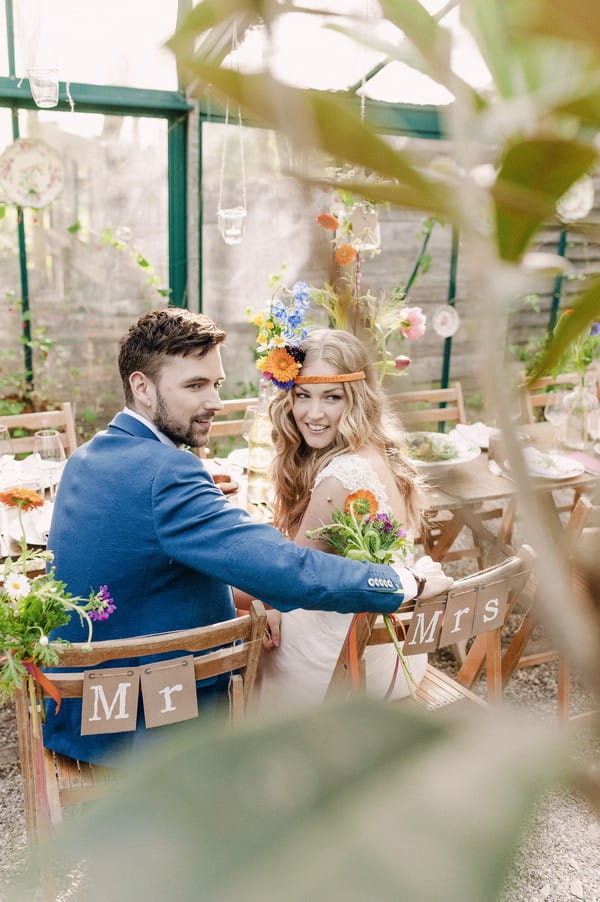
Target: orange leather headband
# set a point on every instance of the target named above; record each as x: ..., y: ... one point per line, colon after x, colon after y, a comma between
x: 339, y: 377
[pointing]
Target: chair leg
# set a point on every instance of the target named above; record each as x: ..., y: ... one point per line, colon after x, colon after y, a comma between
x: 493, y: 665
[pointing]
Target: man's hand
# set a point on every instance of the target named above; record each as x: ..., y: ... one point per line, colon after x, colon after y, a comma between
x: 437, y: 581
x: 271, y: 637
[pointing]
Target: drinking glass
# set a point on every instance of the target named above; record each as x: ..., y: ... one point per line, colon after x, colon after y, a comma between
x: 555, y: 413
x: 48, y: 444
x: 43, y: 82
x: 249, y: 414
x: 6, y: 446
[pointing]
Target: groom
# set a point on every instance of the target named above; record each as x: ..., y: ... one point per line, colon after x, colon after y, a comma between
x: 137, y: 514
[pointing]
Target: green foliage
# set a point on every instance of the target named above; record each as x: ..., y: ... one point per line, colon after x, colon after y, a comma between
x: 354, y: 801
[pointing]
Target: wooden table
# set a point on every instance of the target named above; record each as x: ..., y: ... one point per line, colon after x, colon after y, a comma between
x: 466, y: 489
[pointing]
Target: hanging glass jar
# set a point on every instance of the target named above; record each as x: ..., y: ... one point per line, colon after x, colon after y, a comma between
x: 360, y: 222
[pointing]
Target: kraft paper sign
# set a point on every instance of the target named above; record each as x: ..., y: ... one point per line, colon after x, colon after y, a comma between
x: 491, y: 607
x: 425, y: 627
x: 169, y: 691
x: 459, y: 617
x: 110, y: 700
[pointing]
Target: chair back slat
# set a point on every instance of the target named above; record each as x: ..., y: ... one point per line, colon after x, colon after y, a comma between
x: 534, y: 395
x: 435, y: 405
x: 236, y: 646
x: 60, y: 419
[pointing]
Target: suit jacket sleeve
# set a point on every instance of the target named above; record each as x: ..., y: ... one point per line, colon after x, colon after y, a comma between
x: 199, y: 528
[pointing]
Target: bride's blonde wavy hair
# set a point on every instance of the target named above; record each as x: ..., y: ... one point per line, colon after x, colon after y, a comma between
x: 366, y: 419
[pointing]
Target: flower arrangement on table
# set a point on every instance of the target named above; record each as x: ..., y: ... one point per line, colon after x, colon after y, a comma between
x: 31, y: 606
x: 363, y: 533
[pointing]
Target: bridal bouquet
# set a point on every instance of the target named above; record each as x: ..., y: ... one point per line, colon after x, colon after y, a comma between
x: 361, y: 532
x: 32, y: 604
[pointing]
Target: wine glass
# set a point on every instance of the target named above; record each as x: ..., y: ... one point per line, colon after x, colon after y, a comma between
x: 555, y: 412
x: 6, y: 445
x: 48, y: 445
x: 249, y: 414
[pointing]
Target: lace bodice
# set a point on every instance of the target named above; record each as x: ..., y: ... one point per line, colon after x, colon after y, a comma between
x: 354, y: 472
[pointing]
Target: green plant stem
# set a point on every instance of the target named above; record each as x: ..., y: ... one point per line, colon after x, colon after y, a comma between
x: 410, y: 680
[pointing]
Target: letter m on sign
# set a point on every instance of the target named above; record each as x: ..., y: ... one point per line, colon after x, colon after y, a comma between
x: 110, y: 700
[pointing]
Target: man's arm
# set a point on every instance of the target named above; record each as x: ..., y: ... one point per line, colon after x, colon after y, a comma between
x: 200, y: 529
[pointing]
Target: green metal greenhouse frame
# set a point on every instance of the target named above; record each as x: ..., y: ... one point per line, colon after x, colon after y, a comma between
x: 396, y: 119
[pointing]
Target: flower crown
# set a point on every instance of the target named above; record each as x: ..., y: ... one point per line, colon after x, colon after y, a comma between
x: 280, y: 356
x: 280, y: 332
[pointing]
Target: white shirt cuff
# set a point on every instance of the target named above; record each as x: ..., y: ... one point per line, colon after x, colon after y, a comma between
x: 409, y: 583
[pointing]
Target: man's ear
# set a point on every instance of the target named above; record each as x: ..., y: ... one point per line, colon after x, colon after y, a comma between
x: 143, y: 390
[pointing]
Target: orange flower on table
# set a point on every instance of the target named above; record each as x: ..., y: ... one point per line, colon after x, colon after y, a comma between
x: 328, y: 221
x: 26, y: 499
x: 362, y: 503
x: 345, y: 254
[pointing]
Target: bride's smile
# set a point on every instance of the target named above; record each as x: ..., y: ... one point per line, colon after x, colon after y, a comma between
x: 318, y: 409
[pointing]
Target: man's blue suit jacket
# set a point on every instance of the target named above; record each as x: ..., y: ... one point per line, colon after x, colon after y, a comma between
x: 146, y: 519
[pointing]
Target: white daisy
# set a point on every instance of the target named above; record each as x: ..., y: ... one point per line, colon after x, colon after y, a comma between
x: 16, y: 585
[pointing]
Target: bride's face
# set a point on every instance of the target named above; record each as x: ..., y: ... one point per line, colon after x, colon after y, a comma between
x: 317, y: 409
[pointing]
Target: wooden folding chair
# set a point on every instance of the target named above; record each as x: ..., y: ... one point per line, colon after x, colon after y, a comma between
x: 462, y: 610
x: 52, y: 782
x: 534, y: 395
x: 60, y: 419
x: 584, y: 521
x: 431, y: 405
x: 436, y: 406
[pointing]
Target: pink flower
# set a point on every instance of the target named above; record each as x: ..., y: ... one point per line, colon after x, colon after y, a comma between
x: 413, y: 324
x: 402, y: 361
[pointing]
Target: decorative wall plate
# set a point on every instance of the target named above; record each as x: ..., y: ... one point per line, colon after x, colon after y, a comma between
x: 31, y: 173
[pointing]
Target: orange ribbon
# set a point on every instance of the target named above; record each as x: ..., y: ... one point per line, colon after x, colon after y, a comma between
x: 46, y: 684
x: 353, y: 662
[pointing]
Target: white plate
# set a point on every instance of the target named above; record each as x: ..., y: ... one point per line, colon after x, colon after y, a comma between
x: 31, y: 173
x: 462, y: 451
x: 550, y: 466
x: 239, y: 458
x: 36, y: 524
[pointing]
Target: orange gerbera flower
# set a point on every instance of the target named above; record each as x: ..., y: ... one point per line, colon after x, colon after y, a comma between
x: 345, y: 254
x: 328, y: 221
x: 281, y: 366
x: 362, y: 503
x: 23, y: 498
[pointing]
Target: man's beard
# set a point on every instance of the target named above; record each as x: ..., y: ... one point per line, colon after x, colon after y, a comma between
x: 176, y: 432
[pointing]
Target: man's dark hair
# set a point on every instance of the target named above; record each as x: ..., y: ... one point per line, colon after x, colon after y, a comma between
x: 171, y: 332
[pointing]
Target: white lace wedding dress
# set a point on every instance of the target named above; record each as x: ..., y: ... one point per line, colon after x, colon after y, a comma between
x: 296, y: 674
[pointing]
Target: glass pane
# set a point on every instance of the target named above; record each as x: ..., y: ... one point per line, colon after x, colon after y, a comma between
x: 96, y: 255
x: 117, y: 42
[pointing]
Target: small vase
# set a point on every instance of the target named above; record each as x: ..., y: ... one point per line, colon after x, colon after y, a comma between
x: 260, y: 448
x: 582, y: 410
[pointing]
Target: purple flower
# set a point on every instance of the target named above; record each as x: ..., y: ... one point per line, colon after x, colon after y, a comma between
x: 595, y: 329
x: 383, y: 522
x: 105, y: 605
x: 401, y: 533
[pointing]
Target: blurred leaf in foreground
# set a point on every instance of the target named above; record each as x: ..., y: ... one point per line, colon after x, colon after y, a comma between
x: 349, y: 802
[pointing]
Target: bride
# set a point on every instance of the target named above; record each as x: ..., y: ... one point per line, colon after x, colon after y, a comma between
x: 334, y: 436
